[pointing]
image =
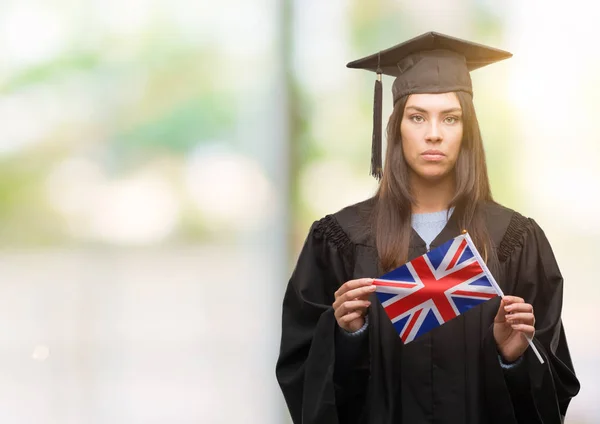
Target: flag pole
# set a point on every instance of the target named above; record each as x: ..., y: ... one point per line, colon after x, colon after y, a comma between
x: 496, y: 286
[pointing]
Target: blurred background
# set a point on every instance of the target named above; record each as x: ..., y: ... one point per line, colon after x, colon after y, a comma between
x: 162, y: 161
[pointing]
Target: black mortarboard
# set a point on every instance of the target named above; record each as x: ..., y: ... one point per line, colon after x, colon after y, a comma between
x: 429, y: 63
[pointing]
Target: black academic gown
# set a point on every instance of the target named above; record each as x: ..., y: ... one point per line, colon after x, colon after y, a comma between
x: 451, y: 374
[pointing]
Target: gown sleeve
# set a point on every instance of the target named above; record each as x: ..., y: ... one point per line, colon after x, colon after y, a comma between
x: 540, y: 391
x: 306, y: 363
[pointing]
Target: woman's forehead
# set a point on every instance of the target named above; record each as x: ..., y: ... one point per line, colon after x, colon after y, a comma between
x: 433, y: 101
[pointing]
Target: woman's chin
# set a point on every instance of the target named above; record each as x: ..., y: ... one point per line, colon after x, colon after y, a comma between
x: 433, y: 176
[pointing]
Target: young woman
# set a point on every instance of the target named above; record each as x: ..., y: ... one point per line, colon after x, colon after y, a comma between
x: 341, y: 360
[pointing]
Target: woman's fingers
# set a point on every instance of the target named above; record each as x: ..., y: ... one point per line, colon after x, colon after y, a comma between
x: 508, y: 300
x: 351, y: 302
x: 361, y: 293
x: 521, y: 318
x: 527, y: 330
x: 353, y: 284
x: 351, y: 306
x: 518, y: 307
x: 516, y: 311
x: 348, y: 318
x: 519, y: 315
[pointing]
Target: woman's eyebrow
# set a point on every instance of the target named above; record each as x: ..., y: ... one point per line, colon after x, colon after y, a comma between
x: 452, y: 109
x: 419, y: 109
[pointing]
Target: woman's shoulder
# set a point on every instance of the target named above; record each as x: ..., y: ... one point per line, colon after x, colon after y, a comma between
x: 502, y: 218
x: 508, y: 228
x: 348, y: 226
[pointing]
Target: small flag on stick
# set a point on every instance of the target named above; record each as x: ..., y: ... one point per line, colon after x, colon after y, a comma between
x: 437, y: 287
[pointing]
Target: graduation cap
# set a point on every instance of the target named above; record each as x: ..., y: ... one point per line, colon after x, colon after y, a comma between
x: 429, y: 63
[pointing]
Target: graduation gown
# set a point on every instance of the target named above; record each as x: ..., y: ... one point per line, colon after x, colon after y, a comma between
x: 451, y: 374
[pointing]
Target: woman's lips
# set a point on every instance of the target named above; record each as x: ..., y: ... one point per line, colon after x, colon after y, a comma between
x: 433, y: 155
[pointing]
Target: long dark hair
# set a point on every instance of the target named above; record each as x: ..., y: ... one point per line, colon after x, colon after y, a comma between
x: 394, y: 200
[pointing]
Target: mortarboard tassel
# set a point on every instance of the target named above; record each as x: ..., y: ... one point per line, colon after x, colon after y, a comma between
x: 376, y: 168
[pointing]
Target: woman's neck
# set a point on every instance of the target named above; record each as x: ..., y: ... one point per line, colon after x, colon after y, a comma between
x: 431, y: 196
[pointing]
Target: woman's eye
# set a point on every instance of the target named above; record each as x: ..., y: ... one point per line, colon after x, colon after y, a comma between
x: 451, y: 120
x: 417, y: 118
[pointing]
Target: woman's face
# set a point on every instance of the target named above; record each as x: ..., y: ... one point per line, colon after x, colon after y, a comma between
x: 431, y: 130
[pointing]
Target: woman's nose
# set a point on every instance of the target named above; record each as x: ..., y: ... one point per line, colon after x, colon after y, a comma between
x: 434, y: 134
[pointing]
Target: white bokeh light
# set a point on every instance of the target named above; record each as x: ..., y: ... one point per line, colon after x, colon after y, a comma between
x: 230, y: 190
x: 137, y: 210
x: 321, y: 183
x: 32, y: 34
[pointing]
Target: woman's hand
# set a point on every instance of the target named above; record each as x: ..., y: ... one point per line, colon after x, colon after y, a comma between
x: 351, y: 303
x: 514, y: 321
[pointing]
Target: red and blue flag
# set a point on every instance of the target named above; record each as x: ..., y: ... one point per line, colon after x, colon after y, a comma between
x: 435, y: 288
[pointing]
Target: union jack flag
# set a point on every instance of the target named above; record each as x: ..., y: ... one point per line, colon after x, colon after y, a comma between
x: 436, y: 287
